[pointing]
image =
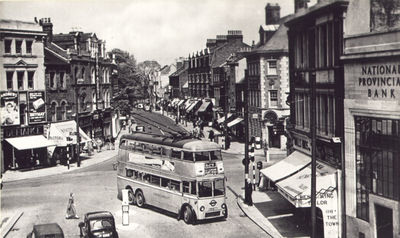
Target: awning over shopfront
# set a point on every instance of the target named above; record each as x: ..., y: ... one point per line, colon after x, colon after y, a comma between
x: 192, y: 106
x: 30, y: 142
x: 175, y: 102
x: 181, y: 102
x: 286, y: 167
x: 204, y: 106
x: 222, y: 119
x: 297, y: 188
x: 64, y: 133
x: 235, y: 121
x: 188, y: 103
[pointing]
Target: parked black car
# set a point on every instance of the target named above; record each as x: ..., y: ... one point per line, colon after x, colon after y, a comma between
x: 46, y: 230
x: 98, y: 224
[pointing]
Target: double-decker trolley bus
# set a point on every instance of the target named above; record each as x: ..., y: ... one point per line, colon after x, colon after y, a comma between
x: 181, y: 175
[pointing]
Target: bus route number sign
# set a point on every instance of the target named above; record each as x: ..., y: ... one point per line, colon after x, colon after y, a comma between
x: 210, y: 168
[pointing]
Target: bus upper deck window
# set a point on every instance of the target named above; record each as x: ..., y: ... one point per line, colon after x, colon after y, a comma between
x: 202, y: 156
x: 176, y: 154
x: 215, y: 155
x: 188, y: 156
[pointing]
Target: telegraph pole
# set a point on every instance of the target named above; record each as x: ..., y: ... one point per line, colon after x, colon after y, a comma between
x: 313, y: 155
x: 226, y: 83
x: 78, y: 136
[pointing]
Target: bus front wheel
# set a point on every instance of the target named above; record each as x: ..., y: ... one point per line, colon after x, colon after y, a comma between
x: 188, y: 215
x: 131, y: 197
x: 139, y: 198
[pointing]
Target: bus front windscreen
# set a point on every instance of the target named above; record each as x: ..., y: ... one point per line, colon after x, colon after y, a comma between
x: 211, y: 188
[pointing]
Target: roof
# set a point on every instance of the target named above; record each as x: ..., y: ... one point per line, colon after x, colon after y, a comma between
x: 321, y: 5
x: 270, y: 27
x: 56, y: 51
x: 277, y: 43
x: 15, y: 25
x: 99, y: 214
x: 184, y: 142
x: 47, y: 229
x: 180, y: 70
x: 221, y: 54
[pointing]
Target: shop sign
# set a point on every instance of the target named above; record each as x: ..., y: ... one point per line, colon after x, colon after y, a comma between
x: 380, y: 81
x: 22, y: 131
x: 36, y: 107
x: 9, y: 107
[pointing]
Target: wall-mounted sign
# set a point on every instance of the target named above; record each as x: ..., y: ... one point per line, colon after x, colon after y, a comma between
x: 9, y: 109
x: 380, y: 81
x: 36, y: 107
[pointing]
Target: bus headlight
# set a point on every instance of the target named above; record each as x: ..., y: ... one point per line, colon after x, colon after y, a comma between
x: 202, y: 208
x: 223, y: 206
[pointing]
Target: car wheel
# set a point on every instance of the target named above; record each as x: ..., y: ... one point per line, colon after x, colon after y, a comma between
x: 131, y: 197
x: 188, y: 215
x: 140, y: 199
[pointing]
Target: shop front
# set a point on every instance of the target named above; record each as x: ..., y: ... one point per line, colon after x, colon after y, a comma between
x: 292, y: 179
x: 24, y: 147
x: 64, y: 136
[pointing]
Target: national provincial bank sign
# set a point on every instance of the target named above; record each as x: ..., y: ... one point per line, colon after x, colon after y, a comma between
x: 379, y: 81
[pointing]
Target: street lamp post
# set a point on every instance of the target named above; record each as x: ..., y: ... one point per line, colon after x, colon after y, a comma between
x: 78, y: 137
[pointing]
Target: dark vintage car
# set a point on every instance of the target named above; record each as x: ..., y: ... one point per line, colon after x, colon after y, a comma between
x: 46, y: 230
x: 98, y: 224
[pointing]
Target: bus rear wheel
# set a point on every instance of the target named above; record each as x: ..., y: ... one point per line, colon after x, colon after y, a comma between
x: 188, y: 215
x: 140, y: 199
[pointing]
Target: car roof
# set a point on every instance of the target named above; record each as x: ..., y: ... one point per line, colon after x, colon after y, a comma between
x: 47, y: 229
x: 99, y: 214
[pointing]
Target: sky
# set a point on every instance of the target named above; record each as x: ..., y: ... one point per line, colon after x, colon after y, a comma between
x: 161, y: 30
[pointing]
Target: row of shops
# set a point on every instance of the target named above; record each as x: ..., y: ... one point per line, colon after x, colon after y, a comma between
x: 204, y: 110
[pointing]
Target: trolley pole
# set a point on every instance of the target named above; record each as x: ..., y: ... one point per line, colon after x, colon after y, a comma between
x: 313, y: 156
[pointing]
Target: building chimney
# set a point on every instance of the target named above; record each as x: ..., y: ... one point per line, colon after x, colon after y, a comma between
x: 47, y: 27
x: 221, y: 39
x: 211, y: 43
x: 300, y: 4
x: 272, y: 14
x: 235, y: 36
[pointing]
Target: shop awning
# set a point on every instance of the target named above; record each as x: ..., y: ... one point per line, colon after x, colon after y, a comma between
x: 192, y: 106
x: 188, y: 103
x: 222, y: 119
x: 286, y: 167
x: 297, y: 188
x: 235, y: 121
x: 64, y: 133
x: 181, y: 102
x: 204, y: 106
x: 30, y: 142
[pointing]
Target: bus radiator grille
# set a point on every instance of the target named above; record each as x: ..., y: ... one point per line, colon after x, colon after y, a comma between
x: 213, y: 214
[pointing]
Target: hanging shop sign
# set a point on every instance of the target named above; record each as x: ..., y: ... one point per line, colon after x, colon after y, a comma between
x: 36, y: 107
x: 9, y: 109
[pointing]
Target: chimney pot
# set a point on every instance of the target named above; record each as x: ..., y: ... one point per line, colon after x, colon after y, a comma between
x: 272, y: 14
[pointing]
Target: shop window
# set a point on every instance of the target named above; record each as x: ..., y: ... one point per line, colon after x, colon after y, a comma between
x: 20, y: 80
x: 10, y: 75
x: 31, y: 79
x: 7, y: 46
x: 28, y: 46
x: 18, y: 46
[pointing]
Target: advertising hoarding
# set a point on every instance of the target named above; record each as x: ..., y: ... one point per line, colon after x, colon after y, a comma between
x: 9, y: 107
x: 37, y: 107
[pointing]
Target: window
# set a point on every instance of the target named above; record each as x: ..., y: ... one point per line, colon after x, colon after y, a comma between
x: 202, y: 156
x: 188, y: 156
x: 186, y: 187
x: 10, y: 75
x: 272, y: 67
x: 377, y: 161
x: 325, y: 114
x: 205, y: 189
x: 63, y: 110
x: 30, y: 79
x: 273, y: 98
x: 20, y: 80
x: 155, y: 180
x: 215, y: 155
x: 7, y: 46
x: 18, y: 46
x: 28, y: 46
x: 52, y: 80
x: 62, y: 80
x: 219, y: 187
x: 53, y: 111
x: 22, y: 113
x: 176, y: 154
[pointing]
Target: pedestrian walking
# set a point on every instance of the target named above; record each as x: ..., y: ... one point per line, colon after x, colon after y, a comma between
x: 71, y: 211
x: 211, y: 135
x: 113, y: 142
